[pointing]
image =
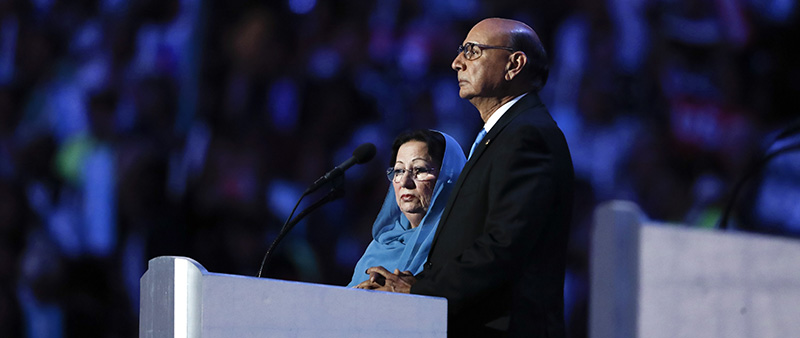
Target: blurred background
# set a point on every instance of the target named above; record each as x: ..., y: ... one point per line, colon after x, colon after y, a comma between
x: 131, y: 129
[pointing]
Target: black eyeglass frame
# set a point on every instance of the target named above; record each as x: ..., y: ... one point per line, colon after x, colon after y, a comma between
x: 469, y: 48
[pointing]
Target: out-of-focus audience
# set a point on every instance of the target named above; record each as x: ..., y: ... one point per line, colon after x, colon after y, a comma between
x: 135, y: 129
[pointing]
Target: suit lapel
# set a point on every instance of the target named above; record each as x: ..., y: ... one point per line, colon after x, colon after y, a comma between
x: 529, y: 101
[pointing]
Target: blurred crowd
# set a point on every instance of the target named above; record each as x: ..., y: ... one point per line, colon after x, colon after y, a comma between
x: 131, y: 129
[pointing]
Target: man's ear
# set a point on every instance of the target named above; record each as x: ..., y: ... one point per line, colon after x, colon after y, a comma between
x: 516, y: 61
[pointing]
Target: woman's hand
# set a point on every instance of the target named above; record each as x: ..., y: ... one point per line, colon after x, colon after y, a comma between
x: 373, y: 283
x: 382, y: 280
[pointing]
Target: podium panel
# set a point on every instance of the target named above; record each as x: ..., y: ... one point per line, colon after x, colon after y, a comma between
x: 667, y: 280
x: 180, y: 298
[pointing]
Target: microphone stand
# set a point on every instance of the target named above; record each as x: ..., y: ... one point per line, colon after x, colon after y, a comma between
x: 792, y: 129
x: 754, y: 169
x: 336, y: 192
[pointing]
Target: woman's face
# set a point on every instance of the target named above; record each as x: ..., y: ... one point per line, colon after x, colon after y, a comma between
x: 414, y: 196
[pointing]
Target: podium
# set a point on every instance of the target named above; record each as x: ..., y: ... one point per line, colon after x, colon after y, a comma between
x: 180, y: 298
x: 653, y: 279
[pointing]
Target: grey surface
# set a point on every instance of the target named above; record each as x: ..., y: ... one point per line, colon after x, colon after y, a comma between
x: 614, y: 270
x: 667, y: 280
x: 219, y: 305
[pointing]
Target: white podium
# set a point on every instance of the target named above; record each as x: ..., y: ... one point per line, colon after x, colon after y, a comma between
x: 180, y: 298
x: 666, y: 280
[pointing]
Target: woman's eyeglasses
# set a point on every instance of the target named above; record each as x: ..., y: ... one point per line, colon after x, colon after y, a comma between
x: 417, y: 174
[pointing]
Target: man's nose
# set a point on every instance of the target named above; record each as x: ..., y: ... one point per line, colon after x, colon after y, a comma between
x: 458, y: 62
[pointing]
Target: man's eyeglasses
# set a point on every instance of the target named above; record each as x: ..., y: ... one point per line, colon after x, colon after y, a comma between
x: 473, y: 51
x: 418, y: 174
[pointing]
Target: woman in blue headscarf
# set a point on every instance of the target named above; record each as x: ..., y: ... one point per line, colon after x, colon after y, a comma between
x: 425, y: 166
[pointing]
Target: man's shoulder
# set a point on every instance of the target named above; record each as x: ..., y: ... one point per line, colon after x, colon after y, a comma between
x: 532, y: 125
x: 530, y: 117
x: 529, y: 109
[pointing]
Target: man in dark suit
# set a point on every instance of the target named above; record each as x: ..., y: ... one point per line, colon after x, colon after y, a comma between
x: 499, y: 251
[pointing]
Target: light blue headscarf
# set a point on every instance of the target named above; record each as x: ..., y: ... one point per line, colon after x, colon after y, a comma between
x: 395, y: 245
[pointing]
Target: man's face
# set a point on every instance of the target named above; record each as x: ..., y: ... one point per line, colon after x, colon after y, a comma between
x: 484, y: 76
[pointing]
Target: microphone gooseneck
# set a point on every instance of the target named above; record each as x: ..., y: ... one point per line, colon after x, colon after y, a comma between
x: 362, y: 154
x: 791, y: 130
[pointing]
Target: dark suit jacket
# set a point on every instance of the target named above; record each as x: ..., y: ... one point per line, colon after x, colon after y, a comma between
x: 499, y: 251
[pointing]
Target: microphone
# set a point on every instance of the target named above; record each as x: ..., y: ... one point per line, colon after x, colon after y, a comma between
x: 363, y: 154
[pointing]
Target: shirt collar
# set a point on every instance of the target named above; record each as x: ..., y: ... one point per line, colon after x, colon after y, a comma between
x: 500, y: 112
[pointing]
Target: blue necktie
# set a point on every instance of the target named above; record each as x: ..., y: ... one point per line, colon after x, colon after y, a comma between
x: 477, y: 141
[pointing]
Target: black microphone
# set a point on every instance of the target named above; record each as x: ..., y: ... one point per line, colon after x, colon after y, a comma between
x: 363, y: 154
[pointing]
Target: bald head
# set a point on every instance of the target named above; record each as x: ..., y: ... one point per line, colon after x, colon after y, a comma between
x: 504, y: 27
x: 521, y: 37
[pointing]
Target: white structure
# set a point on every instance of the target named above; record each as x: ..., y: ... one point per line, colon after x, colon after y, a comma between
x: 666, y: 280
x: 179, y: 298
